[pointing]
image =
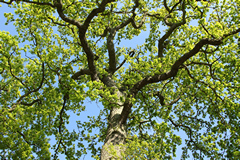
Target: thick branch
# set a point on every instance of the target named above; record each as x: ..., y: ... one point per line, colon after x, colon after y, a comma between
x: 170, y: 31
x: 94, y: 13
x: 161, y: 77
x: 111, y: 51
x: 90, y: 57
x: 82, y: 32
x: 172, y: 73
x: 30, y: 104
x: 110, y: 44
x: 140, y: 24
x: 194, y: 51
x: 165, y: 37
x: 84, y: 43
x: 165, y: 5
x: 58, y: 4
x: 77, y: 75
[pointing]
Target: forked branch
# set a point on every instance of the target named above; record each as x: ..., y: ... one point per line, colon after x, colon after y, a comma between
x: 172, y: 73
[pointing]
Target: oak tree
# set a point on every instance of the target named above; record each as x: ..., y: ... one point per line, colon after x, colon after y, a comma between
x: 183, y: 77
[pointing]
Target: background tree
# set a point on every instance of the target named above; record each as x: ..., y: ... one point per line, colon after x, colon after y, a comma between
x: 184, y: 77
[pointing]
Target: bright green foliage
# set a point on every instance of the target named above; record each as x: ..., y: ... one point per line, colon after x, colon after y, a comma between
x: 184, y: 77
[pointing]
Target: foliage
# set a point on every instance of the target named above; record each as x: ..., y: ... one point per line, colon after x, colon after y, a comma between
x: 184, y: 77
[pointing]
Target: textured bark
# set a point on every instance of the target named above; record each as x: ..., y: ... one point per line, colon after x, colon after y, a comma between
x: 116, y: 132
x: 116, y: 136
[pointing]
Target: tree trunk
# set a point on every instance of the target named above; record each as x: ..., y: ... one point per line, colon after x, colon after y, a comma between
x: 113, y: 145
x: 116, y: 132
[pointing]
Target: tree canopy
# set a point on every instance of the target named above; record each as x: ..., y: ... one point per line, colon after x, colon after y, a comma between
x: 183, y: 77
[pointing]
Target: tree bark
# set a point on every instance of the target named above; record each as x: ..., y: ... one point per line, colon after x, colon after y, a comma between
x: 116, y: 132
x: 113, y: 146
